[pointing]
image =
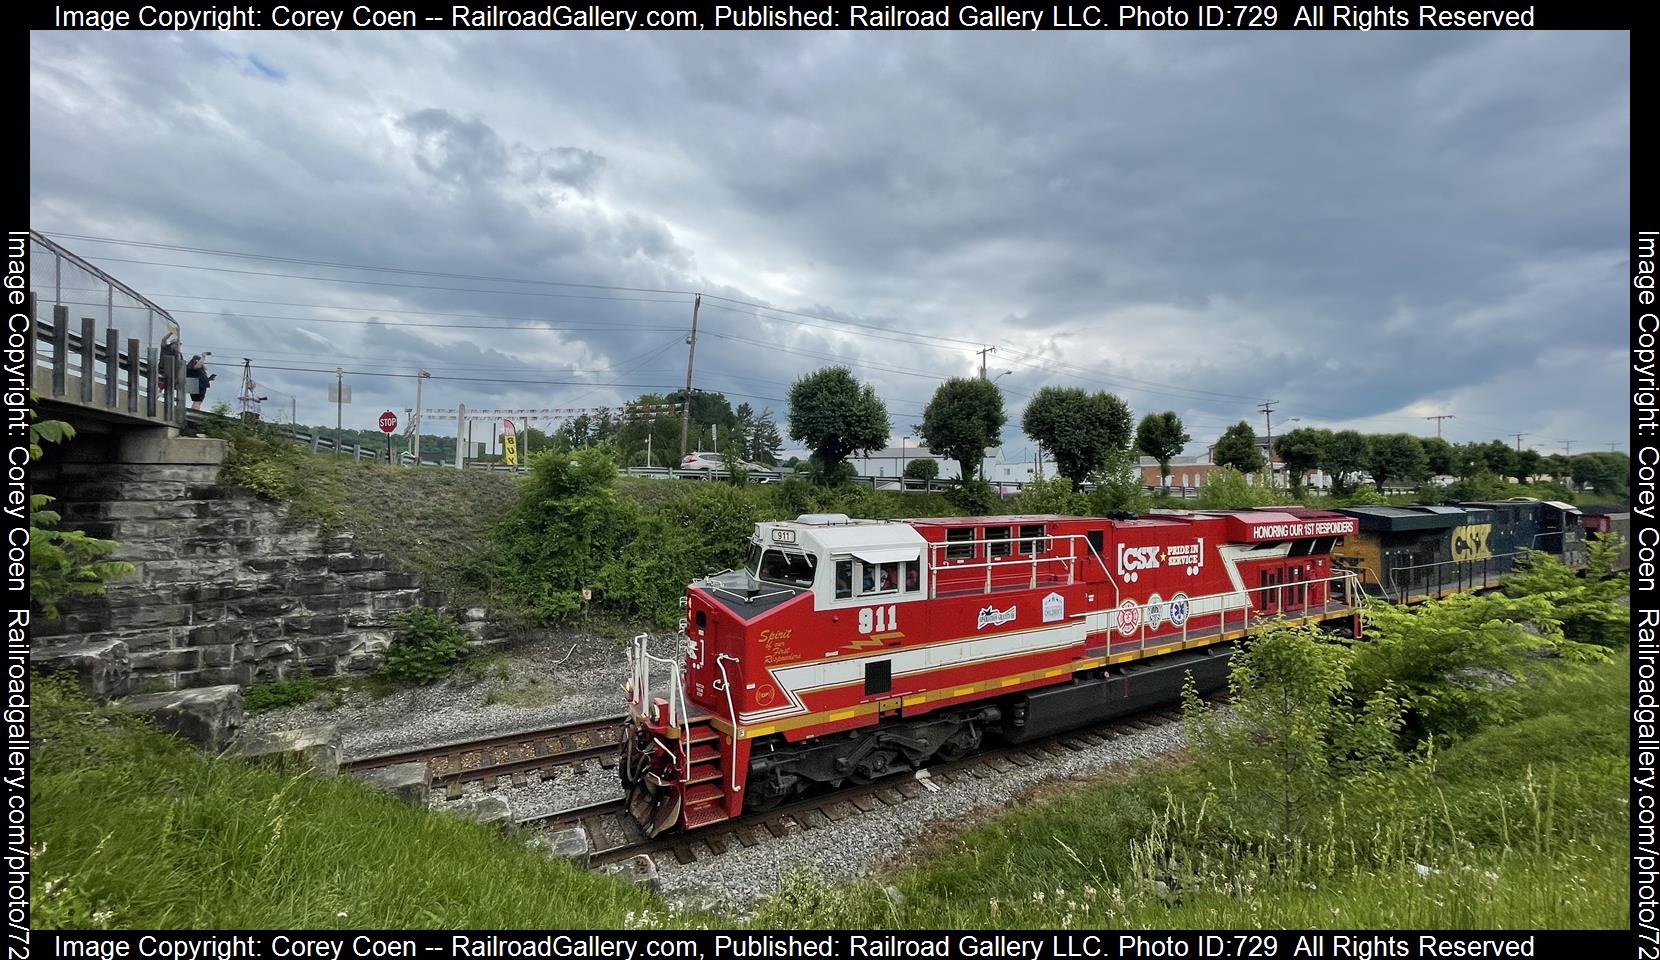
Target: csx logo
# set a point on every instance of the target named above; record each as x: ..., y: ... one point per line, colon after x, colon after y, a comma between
x: 1132, y: 559
x: 1470, y: 542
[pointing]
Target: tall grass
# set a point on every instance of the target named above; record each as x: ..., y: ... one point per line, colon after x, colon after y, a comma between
x: 1517, y: 826
x: 134, y: 829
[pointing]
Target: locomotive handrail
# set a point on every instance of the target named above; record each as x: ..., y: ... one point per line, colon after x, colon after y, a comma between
x: 1360, y: 584
x: 1485, y: 572
x: 640, y: 677
x: 732, y: 713
x: 1228, y: 601
x: 1070, y: 560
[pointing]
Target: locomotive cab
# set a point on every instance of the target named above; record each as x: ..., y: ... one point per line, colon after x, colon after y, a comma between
x: 688, y: 748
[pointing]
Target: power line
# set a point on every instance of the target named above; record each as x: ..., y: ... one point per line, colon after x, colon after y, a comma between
x: 533, y: 325
x: 453, y: 276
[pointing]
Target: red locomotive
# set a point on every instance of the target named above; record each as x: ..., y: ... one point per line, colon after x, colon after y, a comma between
x: 849, y: 649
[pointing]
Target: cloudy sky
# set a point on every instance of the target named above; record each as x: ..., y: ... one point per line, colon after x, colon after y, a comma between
x: 1367, y: 228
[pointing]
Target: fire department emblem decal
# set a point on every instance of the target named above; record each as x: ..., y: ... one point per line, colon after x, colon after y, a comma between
x: 1129, y: 617
x: 1054, y: 608
x: 993, y: 617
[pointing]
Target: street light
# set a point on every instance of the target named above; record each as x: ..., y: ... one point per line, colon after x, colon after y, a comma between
x: 1001, y: 375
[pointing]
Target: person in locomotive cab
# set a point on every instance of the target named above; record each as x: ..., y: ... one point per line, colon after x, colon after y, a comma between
x: 912, y: 578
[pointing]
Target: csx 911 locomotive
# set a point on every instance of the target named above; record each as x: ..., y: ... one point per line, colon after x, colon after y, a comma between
x: 848, y: 649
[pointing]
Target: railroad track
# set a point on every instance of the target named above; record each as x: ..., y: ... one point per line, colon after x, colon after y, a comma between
x: 515, y: 756
x: 614, y: 837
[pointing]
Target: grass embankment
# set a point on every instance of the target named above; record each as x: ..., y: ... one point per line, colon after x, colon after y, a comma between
x: 1518, y: 826
x: 133, y: 828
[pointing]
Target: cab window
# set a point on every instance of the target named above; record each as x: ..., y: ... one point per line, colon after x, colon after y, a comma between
x: 787, y: 567
x: 844, y: 578
x: 879, y: 578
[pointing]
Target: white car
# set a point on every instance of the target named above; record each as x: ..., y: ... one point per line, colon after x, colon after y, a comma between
x: 712, y: 462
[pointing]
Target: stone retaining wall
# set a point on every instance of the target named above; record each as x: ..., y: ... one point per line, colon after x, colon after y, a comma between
x: 226, y: 590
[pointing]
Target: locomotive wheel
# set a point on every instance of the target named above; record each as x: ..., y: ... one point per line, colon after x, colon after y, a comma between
x: 961, y: 744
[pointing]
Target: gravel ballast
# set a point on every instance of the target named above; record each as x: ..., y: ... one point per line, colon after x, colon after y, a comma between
x: 577, y: 677
x: 567, y: 677
x: 736, y: 880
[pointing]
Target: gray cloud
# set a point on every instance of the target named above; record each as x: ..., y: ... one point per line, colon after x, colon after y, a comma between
x: 1367, y: 228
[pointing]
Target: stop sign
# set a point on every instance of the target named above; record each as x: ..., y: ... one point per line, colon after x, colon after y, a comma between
x: 388, y: 422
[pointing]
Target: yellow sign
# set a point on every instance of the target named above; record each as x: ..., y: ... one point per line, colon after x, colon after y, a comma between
x: 1469, y: 542
x: 510, y: 450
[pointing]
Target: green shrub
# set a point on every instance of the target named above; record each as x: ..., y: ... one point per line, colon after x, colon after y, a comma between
x: 1589, y: 606
x: 974, y: 498
x: 1460, y: 661
x: 1227, y: 489
x: 567, y: 524
x: 281, y: 693
x: 922, y: 468
x: 427, y: 646
x: 1053, y: 495
x: 62, y: 562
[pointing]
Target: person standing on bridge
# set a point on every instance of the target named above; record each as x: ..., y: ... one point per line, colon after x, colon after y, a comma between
x: 197, y: 379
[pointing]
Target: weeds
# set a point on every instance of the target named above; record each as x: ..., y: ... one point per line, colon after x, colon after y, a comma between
x: 428, y: 645
x: 281, y: 693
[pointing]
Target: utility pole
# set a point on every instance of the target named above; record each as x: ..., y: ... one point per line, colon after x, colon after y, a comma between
x: 1267, y: 408
x: 1613, y: 446
x: 691, y: 354
x: 1438, y: 419
x: 460, y: 431
x: 1567, y: 447
x: 416, y: 416
x: 1519, y: 437
x: 982, y: 354
x: 339, y: 398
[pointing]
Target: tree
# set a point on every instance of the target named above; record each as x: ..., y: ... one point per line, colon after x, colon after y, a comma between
x: 1467, y: 461
x: 835, y: 416
x: 1396, y: 456
x: 1161, y: 436
x: 765, y: 440
x: 1345, y: 456
x: 1301, y: 450
x: 1237, y: 448
x: 964, y: 417
x: 1528, y: 464
x: 1078, y: 429
x: 1439, y: 454
x: 737, y: 439
x: 922, y: 468
x: 1499, y: 458
x: 1604, y: 472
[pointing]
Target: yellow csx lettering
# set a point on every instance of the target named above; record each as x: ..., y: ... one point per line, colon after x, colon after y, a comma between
x: 1470, y: 542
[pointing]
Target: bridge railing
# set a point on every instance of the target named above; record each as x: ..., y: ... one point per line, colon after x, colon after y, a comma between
x: 110, y: 374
